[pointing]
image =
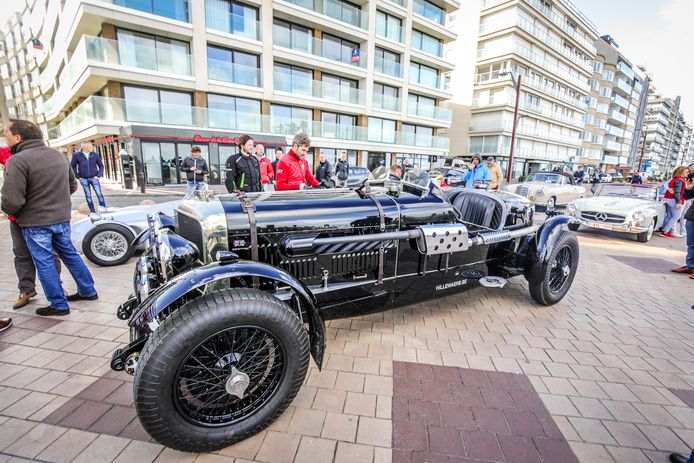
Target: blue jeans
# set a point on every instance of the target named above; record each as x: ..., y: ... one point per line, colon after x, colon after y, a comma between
x: 672, y: 214
x: 195, y: 186
x: 690, y: 243
x: 41, y: 242
x: 94, y: 183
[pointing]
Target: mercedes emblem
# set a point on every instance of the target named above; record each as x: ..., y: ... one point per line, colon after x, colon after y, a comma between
x: 601, y: 216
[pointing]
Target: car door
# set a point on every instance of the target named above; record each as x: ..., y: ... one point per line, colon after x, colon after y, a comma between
x: 561, y: 191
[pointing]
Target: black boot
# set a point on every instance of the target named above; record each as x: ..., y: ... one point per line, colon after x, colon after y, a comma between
x: 51, y: 311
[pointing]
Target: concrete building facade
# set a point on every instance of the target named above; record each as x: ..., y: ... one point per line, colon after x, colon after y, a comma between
x: 152, y: 78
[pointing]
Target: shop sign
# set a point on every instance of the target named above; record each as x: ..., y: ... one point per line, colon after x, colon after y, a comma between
x: 223, y: 140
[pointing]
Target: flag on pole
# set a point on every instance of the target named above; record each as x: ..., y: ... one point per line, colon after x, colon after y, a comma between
x: 356, y: 57
x: 36, y: 43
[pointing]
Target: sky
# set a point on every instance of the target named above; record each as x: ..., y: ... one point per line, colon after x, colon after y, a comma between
x: 656, y: 33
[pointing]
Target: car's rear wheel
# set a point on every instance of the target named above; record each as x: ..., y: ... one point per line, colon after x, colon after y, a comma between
x: 646, y: 236
x: 553, y: 278
x: 109, y: 244
x: 220, y: 369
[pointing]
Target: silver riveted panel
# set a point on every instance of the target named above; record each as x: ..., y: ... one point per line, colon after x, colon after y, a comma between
x: 443, y: 238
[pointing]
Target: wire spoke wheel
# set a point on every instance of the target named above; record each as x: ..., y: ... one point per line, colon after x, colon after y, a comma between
x: 109, y: 245
x: 561, y: 269
x: 229, y: 375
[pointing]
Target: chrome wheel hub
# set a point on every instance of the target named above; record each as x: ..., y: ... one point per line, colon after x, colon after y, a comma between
x: 109, y: 245
x: 566, y: 270
x: 237, y: 383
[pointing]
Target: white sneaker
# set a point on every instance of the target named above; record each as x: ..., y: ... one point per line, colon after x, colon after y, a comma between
x: 678, y: 235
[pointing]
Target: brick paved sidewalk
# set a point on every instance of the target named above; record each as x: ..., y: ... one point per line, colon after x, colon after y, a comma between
x: 610, y: 370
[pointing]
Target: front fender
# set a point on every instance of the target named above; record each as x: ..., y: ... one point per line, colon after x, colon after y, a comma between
x: 542, y: 243
x: 186, y: 282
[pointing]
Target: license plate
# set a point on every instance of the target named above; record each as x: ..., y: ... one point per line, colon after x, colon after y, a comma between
x: 604, y: 226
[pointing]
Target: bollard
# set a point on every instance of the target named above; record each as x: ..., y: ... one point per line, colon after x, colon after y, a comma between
x: 141, y: 178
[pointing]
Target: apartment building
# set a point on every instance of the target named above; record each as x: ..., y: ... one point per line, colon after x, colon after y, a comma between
x: 616, y: 108
x: 664, y: 128
x: 549, y: 45
x: 153, y: 78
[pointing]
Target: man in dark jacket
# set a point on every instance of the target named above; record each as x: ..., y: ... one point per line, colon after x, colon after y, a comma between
x: 37, y: 188
x: 195, y: 168
x: 243, y: 169
x: 88, y: 169
x: 342, y: 170
x: 278, y: 155
x: 636, y: 179
x: 323, y: 169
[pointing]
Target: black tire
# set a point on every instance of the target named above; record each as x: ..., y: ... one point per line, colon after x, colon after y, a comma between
x: 574, y: 226
x: 167, y: 388
x: 553, y: 204
x: 646, y: 236
x: 108, y: 244
x: 553, y: 283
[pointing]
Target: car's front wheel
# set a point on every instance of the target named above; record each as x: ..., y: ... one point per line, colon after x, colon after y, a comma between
x: 220, y: 369
x: 646, y: 236
x: 552, y: 279
x: 108, y: 244
x: 551, y: 203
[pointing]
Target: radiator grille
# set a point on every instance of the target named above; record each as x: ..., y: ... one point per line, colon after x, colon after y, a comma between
x: 608, y: 218
x: 524, y: 190
x: 190, y: 229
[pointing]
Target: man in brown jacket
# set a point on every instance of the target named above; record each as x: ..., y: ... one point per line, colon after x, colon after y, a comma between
x: 495, y: 172
x: 36, y: 191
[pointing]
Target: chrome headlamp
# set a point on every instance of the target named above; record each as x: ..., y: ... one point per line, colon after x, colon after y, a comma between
x: 161, y: 247
x: 540, y: 192
x: 571, y: 208
x: 638, y: 216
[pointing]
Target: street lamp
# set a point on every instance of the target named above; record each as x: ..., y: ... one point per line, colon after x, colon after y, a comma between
x: 517, y: 84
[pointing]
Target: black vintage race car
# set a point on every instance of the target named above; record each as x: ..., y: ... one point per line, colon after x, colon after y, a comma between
x: 229, y: 306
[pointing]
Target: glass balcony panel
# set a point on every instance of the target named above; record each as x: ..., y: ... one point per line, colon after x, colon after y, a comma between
x: 329, y: 49
x: 232, y: 72
x: 172, y: 9
x: 387, y: 102
x: 385, y: 66
x: 218, y: 17
x: 430, y: 12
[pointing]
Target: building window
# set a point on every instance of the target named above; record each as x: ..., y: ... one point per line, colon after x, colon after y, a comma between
x: 233, y: 113
x: 417, y: 135
x: 430, y: 11
x: 386, y: 97
x: 173, y: 9
x: 424, y: 75
x: 606, y: 92
x: 292, y: 36
x: 293, y: 79
x: 334, y: 125
x: 233, y: 66
x: 289, y: 120
x: 421, y: 105
x: 340, y: 89
x: 146, y: 51
x: 338, y: 49
x: 388, y: 26
x: 608, y: 75
x: 387, y: 62
x: 232, y: 17
x: 381, y: 130
x: 427, y: 43
x: 157, y: 106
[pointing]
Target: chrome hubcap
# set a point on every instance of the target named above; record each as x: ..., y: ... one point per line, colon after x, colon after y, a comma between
x: 109, y: 245
x: 237, y: 383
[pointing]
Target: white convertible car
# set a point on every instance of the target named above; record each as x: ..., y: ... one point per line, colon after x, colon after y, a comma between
x: 622, y: 208
x: 548, y: 189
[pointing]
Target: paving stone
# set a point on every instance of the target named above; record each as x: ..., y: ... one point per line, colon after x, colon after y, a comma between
x: 103, y: 448
x: 313, y: 449
x: 374, y: 431
x: 34, y: 441
x: 85, y: 415
x: 307, y: 422
x: 340, y: 427
x: 360, y: 404
x: 136, y: 451
x: 482, y: 445
x: 445, y: 441
x: 353, y: 453
x: 662, y: 438
x: 67, y: 446
x: 592, y: 431
x: 278, y: 447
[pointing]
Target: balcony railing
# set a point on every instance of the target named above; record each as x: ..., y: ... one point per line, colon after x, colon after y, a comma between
x: 626, y: 70
x: 436, y: 82
x: 430, y: 12
x: 613, y: 146
x: 616, y: 131
x: 560, y: 22
x: 97, y: 109
x: 172, y: 9
x: 385, y: 66
x: 318, y: 47
x: 430, y: 111
x: 430, y: 46
x: 220, y: 19
x: 234, y: 73
x: 536, y: 84
x: 523, y: 129
x: 318, y: 89
x: 390, y: 32
x: 387, y: 102
x: 530, y: 55
x: 169, y: 59
x: 621, y: 101
x: 617, y: 116
x: 336, y: 10
x: 622, y: 85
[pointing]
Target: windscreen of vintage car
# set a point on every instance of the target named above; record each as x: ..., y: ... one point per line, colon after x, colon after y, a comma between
x: 544, y: 178
x: 628, y: 191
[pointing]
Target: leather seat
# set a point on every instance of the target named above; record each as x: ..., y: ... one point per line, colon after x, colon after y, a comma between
x: 478, y: 208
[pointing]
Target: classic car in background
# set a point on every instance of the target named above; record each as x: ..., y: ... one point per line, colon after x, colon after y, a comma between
x: 451, y: 175
x: 620, y: 207
x: 106, y: 238
x: 229, y: 307
x: 548, y: 189
x: 357, y: 176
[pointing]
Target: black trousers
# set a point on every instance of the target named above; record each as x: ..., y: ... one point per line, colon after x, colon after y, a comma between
x: 23, y: 263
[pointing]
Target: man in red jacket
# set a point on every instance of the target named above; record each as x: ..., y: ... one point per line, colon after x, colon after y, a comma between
x: 292, y: 171
x: 267, y: 173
